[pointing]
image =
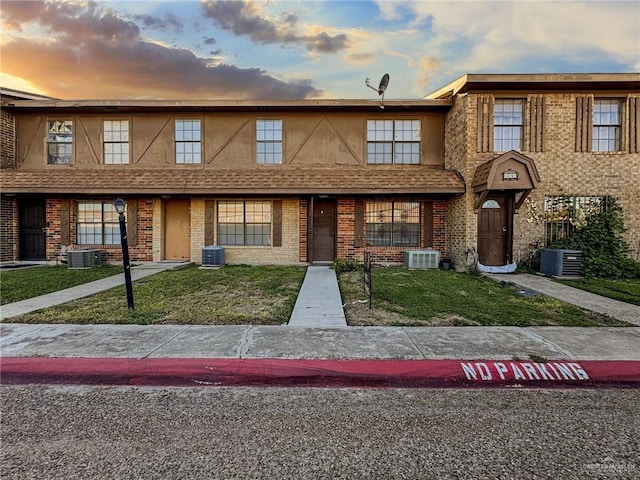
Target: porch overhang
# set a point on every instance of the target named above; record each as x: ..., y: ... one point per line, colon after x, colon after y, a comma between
x: 510, y: 172
x: 265, y: 180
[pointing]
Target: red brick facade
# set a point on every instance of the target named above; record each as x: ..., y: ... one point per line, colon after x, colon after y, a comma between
x: 139, y: 251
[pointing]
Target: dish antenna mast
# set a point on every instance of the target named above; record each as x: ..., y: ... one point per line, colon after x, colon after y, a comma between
x: 384, y: 83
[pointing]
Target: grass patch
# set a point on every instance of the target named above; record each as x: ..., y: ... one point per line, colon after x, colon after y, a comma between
x: 434, y: 297
x: 232, y: 295
x: 24, y: 283
x: 625, y: 290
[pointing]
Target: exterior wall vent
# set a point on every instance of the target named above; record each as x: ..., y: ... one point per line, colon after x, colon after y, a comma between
x: 212, y: 256
x: 561, y: 263
x: 422, y: 259
x: 85, y: 258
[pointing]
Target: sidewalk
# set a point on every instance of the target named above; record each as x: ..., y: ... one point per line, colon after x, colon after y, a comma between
x: 607, y: 306
x: 309, y: 351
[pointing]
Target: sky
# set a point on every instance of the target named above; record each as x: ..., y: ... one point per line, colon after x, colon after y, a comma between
x: 306, y: 49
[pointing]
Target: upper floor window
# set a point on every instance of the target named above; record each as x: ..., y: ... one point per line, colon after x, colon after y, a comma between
x: 393, y: 223
x: 606, y: 125
x: 98, y: 224
x: 393, y: 141
x: 188, y: 143
x: 59, y: 142
x: 269, y: 141
x: 244, y: 223
x: 116, y: 142
x: 508, y: 125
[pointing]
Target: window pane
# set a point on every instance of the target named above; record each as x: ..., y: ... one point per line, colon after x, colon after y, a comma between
x: 244, y: 223
x: 606, y: 125
x: 188, y: 146
x: 269, y: 141
x: 508, y: 125
x: 60, y: 131
x: 116, y: 141
x: 379, y: 153
x: 97, y: 224
x: 394, y: 223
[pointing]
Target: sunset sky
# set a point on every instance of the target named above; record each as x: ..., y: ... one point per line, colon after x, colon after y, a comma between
x: 301, y: 49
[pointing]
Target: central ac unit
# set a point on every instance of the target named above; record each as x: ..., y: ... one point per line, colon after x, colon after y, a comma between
x: 86, y: 258
x: 422, y: 259
x: 212, y: 256
x: 561, y: 263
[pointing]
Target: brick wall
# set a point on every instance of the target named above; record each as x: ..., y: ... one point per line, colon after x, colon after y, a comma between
x: 385, y: 255
x: 459, y: 142
x: 9, y: 239
x: 288, y: 253
x: 141, y: 251
x: 7, y: 140
x: 562, y: 170
x: 303, y: 212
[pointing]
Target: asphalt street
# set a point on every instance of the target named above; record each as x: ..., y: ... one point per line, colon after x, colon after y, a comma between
x: 86, y: 432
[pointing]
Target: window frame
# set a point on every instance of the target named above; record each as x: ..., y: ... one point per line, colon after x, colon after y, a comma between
x: 264, y: 154
x: 613, y: 144
x: 386, y: 142
x: 389, y: 239
x: 57, y: 143
x: 111, y: 220
x: 181, y: 155
x: 123, y: 144
x: 504, y: 126
x: 245, y: 225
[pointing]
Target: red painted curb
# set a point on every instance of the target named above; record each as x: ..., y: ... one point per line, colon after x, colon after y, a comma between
x: 321, y: 373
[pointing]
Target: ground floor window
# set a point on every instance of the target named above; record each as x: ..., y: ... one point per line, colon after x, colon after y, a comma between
x: 393, y: 223
x: 565, y: 213
x: 97, y: 224
x: 244, y: 223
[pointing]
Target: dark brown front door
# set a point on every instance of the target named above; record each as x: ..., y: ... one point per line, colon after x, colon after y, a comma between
x: 493, y: 231
x: 33, y: 230
x: 324, y: 231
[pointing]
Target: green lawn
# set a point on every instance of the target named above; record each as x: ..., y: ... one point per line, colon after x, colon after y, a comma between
x: 229, y: 295
x: 266, y: 295
x: 435, y: 297
x: 627, y: 290
x: 22, y: 283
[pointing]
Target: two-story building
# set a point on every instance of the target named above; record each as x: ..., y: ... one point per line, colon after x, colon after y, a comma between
x: 307, y: 181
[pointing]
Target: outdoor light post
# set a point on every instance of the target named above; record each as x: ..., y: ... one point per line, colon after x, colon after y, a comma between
x: 120, y: 206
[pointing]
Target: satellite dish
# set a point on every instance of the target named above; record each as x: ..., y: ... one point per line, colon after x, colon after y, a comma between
x: 384, y: 83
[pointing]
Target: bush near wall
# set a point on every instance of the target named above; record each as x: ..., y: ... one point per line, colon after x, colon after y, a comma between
x: 600, y: 238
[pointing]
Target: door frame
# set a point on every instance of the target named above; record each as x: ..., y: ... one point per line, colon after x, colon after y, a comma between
x: 508, y: 200
x: 313, y: 201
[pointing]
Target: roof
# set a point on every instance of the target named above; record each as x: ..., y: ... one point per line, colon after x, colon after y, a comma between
x: 263, y: 180
x: 53, y: 106
x: 9, y: 94
x: 538, y: 82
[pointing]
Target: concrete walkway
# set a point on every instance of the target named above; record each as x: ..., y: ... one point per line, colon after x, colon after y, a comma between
x: 625, y: 312
x: 319, y: 303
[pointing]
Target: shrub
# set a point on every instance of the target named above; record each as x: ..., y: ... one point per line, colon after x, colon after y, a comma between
x: 346, y: 265
x: 600, y: 238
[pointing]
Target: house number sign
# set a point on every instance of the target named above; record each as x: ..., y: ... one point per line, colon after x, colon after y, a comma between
x: 509, y: 175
